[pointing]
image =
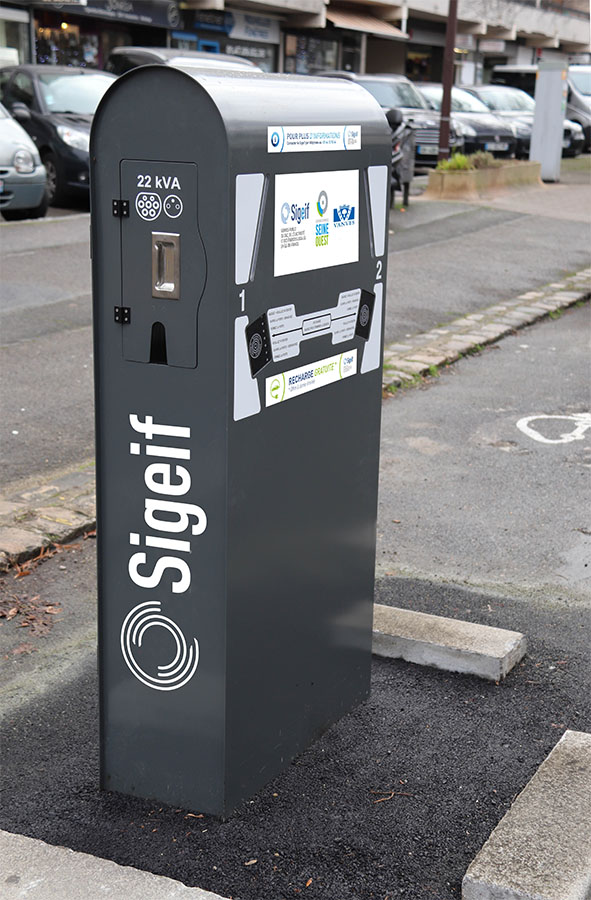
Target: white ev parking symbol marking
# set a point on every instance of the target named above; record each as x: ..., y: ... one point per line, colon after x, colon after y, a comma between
x: 581, y: 421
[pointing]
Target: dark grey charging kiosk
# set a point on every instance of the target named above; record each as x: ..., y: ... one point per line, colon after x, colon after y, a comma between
x: 239, y: 232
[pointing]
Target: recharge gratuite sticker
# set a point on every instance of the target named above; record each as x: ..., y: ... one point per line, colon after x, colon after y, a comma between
x: 294, y: 382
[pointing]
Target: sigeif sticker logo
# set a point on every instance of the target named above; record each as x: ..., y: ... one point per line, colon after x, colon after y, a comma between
x: 285, y: 211
x: 166, y: 677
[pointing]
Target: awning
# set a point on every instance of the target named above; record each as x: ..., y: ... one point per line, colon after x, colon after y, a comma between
x: 358, y: 22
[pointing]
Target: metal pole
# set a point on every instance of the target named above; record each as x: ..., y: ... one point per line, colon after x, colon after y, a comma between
x: 448, y: 77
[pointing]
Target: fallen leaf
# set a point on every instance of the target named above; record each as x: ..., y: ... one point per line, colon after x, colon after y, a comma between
x: 194, y: 816
x: 12, y: 612
x: 309, y: 882
x: 22, y: 648
x: 251, y: 862
x: 52, y: 610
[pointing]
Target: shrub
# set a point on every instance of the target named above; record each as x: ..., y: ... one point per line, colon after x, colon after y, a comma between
x: 457, y: 162
x: 482, y: 159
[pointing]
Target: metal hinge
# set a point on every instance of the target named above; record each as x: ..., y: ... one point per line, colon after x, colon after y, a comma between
x: 121, y: 209
x: 123, y: 315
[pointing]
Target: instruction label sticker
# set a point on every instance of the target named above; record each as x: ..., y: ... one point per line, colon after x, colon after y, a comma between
x: 316, y: 220
x: 304, y: 138
x: 294, y: 382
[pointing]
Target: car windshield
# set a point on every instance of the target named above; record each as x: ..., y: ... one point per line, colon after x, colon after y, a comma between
x: 390, y: 94
x: 581, y: 79
x: 73, y: 93
x: 507, y: 99
x: 461, y: 101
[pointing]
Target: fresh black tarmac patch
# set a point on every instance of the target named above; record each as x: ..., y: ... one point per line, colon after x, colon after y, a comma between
x: 394, y: 801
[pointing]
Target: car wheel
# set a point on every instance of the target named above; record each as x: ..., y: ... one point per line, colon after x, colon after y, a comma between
x: 54, y: 189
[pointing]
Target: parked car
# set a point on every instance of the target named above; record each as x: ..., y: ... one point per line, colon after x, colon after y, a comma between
x: 122, y: 59
x: 518, y: 107
x: 22, y: 176
x: 578, y: 100
x: 397, y: 92
x: 480, y: 129
x: 55, y: 106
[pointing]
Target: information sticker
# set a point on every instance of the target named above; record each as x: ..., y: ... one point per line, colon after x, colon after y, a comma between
x: 306, y: 138
x: 294, y: 382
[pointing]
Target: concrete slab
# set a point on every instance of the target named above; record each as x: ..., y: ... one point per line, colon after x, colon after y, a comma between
x: 541, y: 849
x: 35, y: 870
x: 450, y: 644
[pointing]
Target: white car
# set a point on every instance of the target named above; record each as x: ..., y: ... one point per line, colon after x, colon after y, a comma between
x: 22, y: 176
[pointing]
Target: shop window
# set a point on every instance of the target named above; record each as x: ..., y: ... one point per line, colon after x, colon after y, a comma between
x: 16, y: 36
x: 67, y: 46
x: 305, y: 55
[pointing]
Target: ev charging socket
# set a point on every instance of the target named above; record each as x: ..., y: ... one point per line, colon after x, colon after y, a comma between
x: 239, y: 272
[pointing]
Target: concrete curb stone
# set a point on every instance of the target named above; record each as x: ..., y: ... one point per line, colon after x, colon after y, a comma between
x: 444, y: 643
x: 541, y: 848
x: 34, y: 870
x: 443, y: 346
x: 64, y: 508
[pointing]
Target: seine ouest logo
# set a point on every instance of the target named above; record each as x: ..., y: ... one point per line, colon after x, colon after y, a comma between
x: 322, y: 203
x: 172, y: 523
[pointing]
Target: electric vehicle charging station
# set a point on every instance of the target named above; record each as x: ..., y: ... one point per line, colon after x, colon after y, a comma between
x: 239, y: 243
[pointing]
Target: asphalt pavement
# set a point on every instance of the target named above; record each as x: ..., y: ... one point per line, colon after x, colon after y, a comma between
x: 445, y: 260
x: 397, y: 798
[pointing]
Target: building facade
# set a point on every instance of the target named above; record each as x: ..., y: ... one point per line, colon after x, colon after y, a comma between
x: 304, y: 36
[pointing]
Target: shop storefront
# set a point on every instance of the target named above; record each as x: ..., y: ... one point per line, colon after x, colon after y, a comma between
x: 75, y: 35
x: 237, y: 32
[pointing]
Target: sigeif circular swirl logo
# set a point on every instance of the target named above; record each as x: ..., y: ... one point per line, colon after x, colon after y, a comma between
x: 285, y: 213
x: 322, y: 204
x: 166, y: 677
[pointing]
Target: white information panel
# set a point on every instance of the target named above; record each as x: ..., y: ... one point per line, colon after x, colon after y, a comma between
x: 316, y: 220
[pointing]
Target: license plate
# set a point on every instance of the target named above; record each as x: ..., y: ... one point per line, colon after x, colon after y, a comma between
x: 496, y: 146
x: 427, y: 150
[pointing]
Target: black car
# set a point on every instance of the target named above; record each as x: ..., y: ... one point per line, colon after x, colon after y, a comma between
x: 481, y: 129
x: 518, y: 107
x: 398, y: 92
x: 55, y: 106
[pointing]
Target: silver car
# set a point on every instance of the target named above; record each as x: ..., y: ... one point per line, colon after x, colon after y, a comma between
x: 22, y: 177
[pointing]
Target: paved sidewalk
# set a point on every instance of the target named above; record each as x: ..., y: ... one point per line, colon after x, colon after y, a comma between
x: 63, y: 508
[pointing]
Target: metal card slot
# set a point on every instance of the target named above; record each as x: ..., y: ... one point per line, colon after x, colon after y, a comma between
x: 166, y: 265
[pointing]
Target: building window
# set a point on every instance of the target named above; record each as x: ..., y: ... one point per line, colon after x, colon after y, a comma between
x: 305, y: 55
